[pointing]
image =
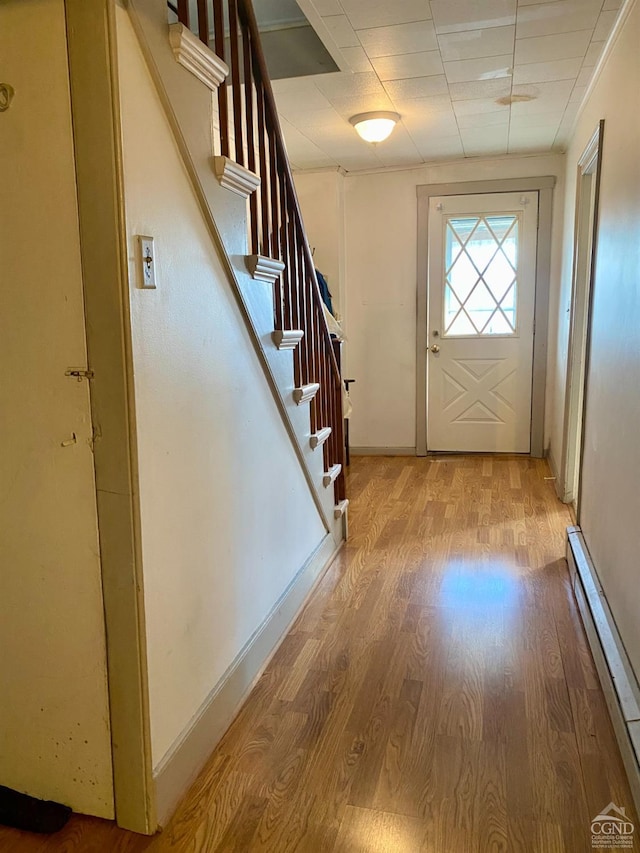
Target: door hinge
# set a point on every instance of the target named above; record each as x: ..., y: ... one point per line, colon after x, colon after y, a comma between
x: 79, y: 373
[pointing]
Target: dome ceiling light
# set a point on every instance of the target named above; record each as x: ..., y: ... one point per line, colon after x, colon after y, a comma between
x: 376, y: 126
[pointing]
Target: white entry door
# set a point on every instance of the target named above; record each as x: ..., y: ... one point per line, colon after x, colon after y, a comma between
x: 481, y: 301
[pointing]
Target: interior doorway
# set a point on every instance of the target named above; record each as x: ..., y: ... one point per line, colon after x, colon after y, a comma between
x: 586, y: 224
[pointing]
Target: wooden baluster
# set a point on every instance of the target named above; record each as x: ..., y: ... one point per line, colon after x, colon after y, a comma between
x: 324, y: 372
x: 274, y: 185
x: 311, y: 349
x: 303, y: 287
x: 262, y: 154
x: 203, y: 21
x: 236, y: 85
x: 284, y: 216
x: 293, y: 296
x: 251, y: 149
x: 183, y: 12
x: 332, y: 409
x: 317, y: 354
x: 223, y: 96
x: 340, y: 485
x: 325, y: 390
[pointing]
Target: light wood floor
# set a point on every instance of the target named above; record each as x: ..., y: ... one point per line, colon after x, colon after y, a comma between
x: 437, y: 694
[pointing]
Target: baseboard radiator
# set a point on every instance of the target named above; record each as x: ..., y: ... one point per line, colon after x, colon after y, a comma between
x: 618, y: 680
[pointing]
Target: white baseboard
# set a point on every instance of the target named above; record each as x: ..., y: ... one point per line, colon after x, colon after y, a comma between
x: 619, y: 683
x: 179, y: 768
x: 382, y: 451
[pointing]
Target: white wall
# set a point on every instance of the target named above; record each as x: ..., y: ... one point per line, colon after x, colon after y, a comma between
x: 54, y: 713
x: 610, y: 494
x: 381, y: 280
x: 227, y: 516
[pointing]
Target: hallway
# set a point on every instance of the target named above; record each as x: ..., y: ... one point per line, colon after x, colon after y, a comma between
x: 436, y: 694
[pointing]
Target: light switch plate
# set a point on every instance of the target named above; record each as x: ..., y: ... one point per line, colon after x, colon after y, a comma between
x: 147, y: 260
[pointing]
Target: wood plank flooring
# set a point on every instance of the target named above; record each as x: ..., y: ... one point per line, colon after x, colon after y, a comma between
x: 437, y: 693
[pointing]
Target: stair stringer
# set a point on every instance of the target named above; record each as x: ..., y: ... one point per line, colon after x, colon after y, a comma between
x: 190, y: 109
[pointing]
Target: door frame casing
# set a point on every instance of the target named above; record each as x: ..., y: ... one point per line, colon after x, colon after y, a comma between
x: 576, y: 380
x: 544, y: 187
x: 95, y: 110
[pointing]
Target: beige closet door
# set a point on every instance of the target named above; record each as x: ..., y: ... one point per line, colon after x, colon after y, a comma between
x: 54, y: 713
x: 481, y: 301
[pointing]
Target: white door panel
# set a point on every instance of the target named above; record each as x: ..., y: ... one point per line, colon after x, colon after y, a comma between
x: 481, y: 301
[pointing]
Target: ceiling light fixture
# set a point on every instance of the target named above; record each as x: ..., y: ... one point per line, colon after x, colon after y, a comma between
x: 376, y: 126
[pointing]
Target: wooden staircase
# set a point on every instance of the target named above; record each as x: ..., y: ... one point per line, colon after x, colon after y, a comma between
x: 221, y: 43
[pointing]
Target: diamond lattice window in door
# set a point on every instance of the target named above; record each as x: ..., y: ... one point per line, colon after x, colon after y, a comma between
x: 481, y: 273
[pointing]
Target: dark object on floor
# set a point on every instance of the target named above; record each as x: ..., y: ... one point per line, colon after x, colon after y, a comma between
x: 23, y: 812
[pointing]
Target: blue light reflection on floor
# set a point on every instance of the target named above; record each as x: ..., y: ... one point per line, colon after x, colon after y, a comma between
x: 481, y: 585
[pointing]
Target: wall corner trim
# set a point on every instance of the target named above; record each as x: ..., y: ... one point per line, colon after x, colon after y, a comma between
x: 196, y: 57
x: 619, y: 683
x: 188, y: 755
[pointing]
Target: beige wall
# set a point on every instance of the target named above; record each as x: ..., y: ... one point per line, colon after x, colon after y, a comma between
x: 321, y: 196
x: 381, y: 273
x: 611, y: 505
x: 227, y: 516
x: 54, y: 715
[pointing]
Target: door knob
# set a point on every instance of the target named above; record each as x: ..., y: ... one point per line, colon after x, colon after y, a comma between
x: 435, y: 348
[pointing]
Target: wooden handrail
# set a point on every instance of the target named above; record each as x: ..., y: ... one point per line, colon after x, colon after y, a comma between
x: 275, y: 221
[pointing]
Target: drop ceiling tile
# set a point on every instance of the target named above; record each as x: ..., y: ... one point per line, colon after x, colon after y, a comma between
x: 422, y: 125
x: 611, y: 4
x: 570, y: 113
x: 474, y: 44
x: 328, y: 7
x: 418, y: 108
x: 485, y: 140
x: 452, y: 16
x: 577, y: 95
x: 341, y: 31
x: 543, y: 72
x: 584, y: 77
x: 360, y: 162
x: 380, y: 13
x: 345, y: 84
x: 483, y: 119
x: 417, y: 87
x: 425, y: 64
x: 357, y: 59
x: 477, y: 106
x: 308, y: 120
x: 301, y: 85
x: 435, y: 104
x: 442, y: 148
x: 400, y: 38
x: 549, y: 48
x: 487, y: 68
x: 605, y: 24
x: 398, y: 149
x: 294, y: 102
x: 480, y: 89
x: 546, y: 97
x: 352, y: 104
x: 593, y: 54
x: 301, y: 149
x: 538, y: 119
x: 531, y: 138
x: 563, y: 16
